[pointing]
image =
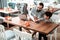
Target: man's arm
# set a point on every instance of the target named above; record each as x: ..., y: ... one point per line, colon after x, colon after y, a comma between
x: 32, y: 15
x: 55, y: 9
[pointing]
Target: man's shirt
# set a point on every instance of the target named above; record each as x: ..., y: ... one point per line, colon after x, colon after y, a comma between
x: 34, y: 12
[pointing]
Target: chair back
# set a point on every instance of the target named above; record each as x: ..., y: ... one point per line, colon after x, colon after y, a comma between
x: 12, y: 5
x: 2, y: 34
x: 23, y: 35
x: 2, y: 28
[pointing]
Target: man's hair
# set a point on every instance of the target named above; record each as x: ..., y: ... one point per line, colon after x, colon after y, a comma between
x: 49, y: 14
x: 41, y: 4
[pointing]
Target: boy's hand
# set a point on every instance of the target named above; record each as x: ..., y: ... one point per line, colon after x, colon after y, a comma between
x: 35, y: 18
x: 37, y: 21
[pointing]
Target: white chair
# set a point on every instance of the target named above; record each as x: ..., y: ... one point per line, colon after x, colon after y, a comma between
x: 2, y: 36
x: 22, y: 35
x: 54, y: 33
x: 6, y: 35
x: 55, y: 19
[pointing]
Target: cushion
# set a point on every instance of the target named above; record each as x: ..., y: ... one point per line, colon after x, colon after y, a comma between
x: 9, y: 34
x: 55, y: 18
x: 23, y: 35
x: 12, y: 5
x: 57, y: 12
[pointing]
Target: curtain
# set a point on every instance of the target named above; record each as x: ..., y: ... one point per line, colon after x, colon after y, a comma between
x: 58, y: 1
x: 3, y: 3
x: 1, y: 6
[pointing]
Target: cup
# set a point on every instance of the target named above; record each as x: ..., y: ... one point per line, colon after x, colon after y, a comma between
x: 27, y: 23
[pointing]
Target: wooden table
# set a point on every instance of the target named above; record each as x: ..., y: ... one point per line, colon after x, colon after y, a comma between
x: 42, y: 27
x: 8, y: 11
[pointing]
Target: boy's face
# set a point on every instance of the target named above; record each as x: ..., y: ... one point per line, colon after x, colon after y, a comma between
x: 46, y: 17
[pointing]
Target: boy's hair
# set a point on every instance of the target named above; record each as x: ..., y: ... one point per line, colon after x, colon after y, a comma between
x: 49, y: 14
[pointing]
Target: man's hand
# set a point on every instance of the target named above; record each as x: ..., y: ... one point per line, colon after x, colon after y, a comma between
x: 36, y: 20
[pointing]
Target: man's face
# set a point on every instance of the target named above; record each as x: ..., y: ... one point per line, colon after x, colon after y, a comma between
x: 39, y: 8
x: 51, y: 9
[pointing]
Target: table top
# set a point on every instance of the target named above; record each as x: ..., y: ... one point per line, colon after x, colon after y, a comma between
x: 8, y: 11
x: 42, y: 27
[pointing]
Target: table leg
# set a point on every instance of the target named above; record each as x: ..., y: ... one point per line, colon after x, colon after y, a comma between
x: 20, y: 28
x: 42, y: 35
x: 7, y: 25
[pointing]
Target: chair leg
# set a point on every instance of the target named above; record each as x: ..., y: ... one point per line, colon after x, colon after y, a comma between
x: 8, y: 25
x: 50, y: 37
x: 55, y: 34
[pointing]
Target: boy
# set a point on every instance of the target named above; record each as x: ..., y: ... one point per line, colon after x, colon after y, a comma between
x: 47, y: 15
x: 46, y: 18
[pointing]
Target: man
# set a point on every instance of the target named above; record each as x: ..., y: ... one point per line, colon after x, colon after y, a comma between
x: 24, y: 12
x: 36, y: 14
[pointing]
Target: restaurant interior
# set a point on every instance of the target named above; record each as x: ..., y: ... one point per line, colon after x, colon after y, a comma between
x: 29, y: 19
